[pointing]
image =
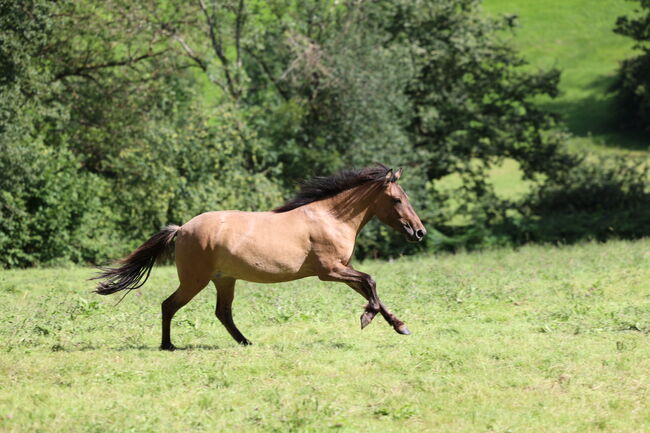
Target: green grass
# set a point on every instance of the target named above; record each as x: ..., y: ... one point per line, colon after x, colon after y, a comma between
x: 541, y: 339
x: 506, y: 178
x: 576, y: 36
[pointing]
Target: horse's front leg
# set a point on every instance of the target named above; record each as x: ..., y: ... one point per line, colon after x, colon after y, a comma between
x: 388, y: 315
x: 366, y: 287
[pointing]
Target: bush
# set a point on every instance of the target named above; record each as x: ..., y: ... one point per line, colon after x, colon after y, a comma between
x: 47, y: 205
x: 601, y: 198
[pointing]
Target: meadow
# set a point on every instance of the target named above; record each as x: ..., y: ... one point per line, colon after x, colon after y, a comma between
x: 535, y: 339
x: 539, y: 339
x: 577, y: 38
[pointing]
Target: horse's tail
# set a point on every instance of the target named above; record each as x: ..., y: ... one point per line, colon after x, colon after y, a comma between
x: 137, y: 265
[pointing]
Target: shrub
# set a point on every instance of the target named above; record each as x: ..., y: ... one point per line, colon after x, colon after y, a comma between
x: 600, y: 198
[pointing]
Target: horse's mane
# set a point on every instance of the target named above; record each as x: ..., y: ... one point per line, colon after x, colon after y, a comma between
x: 322, y: 187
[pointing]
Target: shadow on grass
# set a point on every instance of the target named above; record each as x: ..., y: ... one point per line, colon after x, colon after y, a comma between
x: 595, y: 118
x: 133, y: 348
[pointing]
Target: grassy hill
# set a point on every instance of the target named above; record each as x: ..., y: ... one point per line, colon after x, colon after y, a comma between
x: 538, y: 340
x: 576, y: 36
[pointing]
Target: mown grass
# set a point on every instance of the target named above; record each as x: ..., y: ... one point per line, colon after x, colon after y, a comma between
x: 535, y: 340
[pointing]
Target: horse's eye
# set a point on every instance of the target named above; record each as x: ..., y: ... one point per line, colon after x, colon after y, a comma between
x: 397, y: 200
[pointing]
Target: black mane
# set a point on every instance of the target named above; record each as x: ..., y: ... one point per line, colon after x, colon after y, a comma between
x: 322, y: 187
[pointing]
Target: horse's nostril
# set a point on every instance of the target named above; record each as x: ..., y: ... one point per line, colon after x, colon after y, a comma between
x: 419, y: 234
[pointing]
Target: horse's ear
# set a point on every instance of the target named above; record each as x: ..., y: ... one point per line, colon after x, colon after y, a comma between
x: 389, y: 177
x: 398, y: 173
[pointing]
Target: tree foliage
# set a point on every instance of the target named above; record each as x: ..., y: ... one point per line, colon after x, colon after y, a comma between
x: 633, y: 82
x: 119, y: 117
x: 103, y: 137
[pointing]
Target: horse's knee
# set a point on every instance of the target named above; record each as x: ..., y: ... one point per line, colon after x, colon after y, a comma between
x: 372, y: 307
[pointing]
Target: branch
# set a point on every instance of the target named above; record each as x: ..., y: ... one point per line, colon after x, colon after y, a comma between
x: 239, y: 24
x: 190, y: 53
x: 275, y: 81
x: 215, y: 40
x: 85, y: 69
x: 218, y: 50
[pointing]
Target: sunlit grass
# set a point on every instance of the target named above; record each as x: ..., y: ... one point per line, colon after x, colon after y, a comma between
x: 576, y: 36
x: 540, y: 339
x: 506, y: 178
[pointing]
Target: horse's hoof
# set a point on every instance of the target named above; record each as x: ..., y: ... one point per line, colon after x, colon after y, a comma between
x: 403, y: 330
x: 367, y: 317
x: 245, y: 342
x: 169, y: 347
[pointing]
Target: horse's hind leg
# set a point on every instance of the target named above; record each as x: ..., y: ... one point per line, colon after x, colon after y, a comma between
x: 225, y: 295
x: 188, y: 288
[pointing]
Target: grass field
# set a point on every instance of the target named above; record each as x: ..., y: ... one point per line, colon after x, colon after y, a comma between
x: 576, y: 36
x: 537, y: 340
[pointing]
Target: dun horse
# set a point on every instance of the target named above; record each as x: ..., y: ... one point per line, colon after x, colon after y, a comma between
x: 312, y: 234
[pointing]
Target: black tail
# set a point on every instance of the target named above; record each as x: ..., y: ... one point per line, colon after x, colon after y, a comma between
x: 136, y: 265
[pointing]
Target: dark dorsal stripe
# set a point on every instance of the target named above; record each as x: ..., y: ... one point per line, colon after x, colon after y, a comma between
x: 322, y: 187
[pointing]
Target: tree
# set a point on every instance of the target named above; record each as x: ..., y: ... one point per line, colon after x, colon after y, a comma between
x: 45, y: 197
x: 92, y: 161
x: 633, y: 82
x: 117, y: 118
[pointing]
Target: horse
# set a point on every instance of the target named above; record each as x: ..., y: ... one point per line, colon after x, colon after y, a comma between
x: 312, y: 234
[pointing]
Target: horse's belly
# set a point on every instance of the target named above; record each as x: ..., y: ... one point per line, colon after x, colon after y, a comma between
x: 263, y: 265
x: 263, y: 252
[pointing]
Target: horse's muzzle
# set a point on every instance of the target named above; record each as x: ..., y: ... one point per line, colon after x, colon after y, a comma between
x: 413, y: 235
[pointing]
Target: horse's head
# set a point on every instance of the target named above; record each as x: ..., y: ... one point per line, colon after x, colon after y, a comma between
x: 394, y: 209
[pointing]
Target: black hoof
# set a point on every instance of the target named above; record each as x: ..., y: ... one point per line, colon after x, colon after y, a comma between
x: 169, y: 347
x: 245, y: 342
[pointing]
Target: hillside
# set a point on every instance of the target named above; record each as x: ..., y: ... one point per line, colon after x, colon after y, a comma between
x: 576, y: 36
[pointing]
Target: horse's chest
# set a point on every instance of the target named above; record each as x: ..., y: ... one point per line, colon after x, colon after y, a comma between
x: 339, y: 248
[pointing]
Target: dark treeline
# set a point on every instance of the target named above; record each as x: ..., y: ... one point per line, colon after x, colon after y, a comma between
x: 118, y: 117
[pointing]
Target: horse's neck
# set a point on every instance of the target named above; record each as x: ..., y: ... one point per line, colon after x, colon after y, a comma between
x: 353, y: 207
